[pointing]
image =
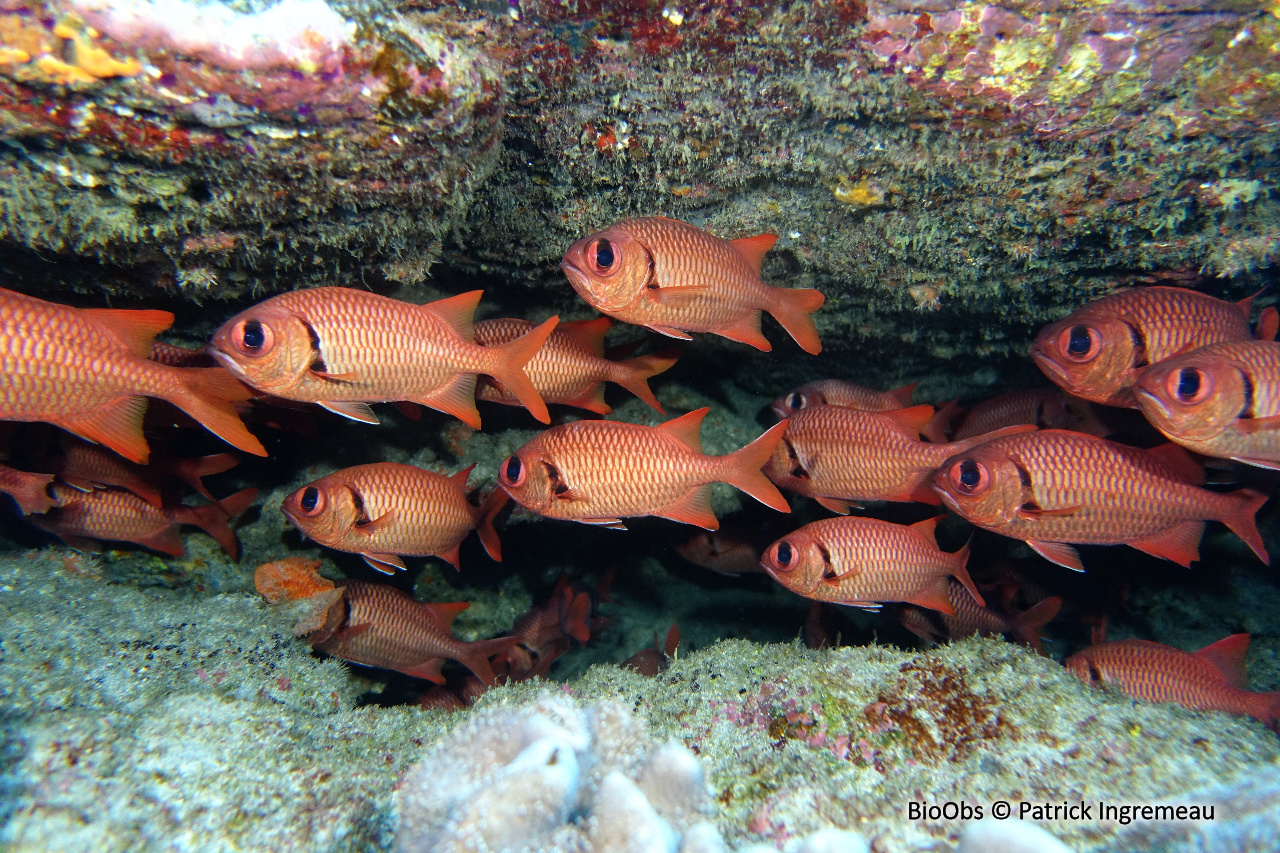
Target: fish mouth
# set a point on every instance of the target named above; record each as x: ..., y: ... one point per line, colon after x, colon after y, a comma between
x: 576, y: 277
x: 229, y: 363
x: 1050, y: 368
x: 778, y: 410
x: 951, y: 502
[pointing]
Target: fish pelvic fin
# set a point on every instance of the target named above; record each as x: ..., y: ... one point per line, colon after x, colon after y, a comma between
x: 1239, y: 518
x: 634, y: 374
x: 117, y: 426
x: 741, y: 469
x: 206, y: 394
x: 791, y: 308
x: 509, y: 368
x: 213, y: 518
x: 485, y: 514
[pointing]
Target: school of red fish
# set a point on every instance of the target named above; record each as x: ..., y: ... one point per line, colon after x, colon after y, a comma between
x: 1033, y: 465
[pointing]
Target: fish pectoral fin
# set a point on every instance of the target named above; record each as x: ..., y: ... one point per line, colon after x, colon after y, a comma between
x: 693, y: 508
x: 388, y: 564
x: 82, y: 485
x: 356, y: 411
x: 836, y: 578
x: 837, y: 506
x: 1035, y: 513
x: 117, y: 426
x: 670, y: 333
x: 611, y: 523
x: 333, y: 377
x: 1255, y: 425
x: 348, y: 632
x: 672, y: 297
x: 1181, y: 544
x: 1058, y: 552
x: 378, y: 524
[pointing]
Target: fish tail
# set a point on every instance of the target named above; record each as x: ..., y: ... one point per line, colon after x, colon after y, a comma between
x: 31, y: 493
x: 634, y: 374
x: 741, y: 469
x: 1245, y: 503
x: 961, y: 573
x: 206, y: 394
x: 791, y: 308
x: 191, y: 471
x: 475, y: 656
x: 509, y: 367
x: 1267, y: 708
x: 213, y: 518
x: 1027, y: 625
x: 485, y: 514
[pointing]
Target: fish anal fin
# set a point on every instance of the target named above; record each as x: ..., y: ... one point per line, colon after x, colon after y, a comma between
x: 428, y: 670
x: 388, y: 564
x: 117, y: 426
x: 459, y: 312
x: 1270, y: 464
x: 167, y: 541
x: 592, y: 400
x: 753, y: 249
x: 1179, y: 462
x: 935, y: 597
x: 589, y: 334
x: 746, y: 330
x: 694, y: 508
x: 457, y: 398
x: 687, y: 428
x: 670, y: 332
x: 135, y: 329
x: 1058, y: 552
x: 1180, y: 543
x: 356, y: 411
x: 836, y: 505
x: 1227, y: 657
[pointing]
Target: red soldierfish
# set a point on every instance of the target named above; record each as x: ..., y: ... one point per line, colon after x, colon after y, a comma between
x: 837, y: 392
x: 862, y: 562
x: 1222, y: 400
x: 29, y: 491
x: 1046, y: 408
x: 570, y: 368
x: 1053, y: 487
x: 970, y: 619
x: 599, y: 472
x: 1212, y: 679
x: 119, y: 516
x: 86, y: 466
x: 1097, y: 352
x: 675, y: 278
x: 377, y: 625
x: 346, y: 348
x: 384, y: 509
x: 836, y: 455
x: 86, y: 370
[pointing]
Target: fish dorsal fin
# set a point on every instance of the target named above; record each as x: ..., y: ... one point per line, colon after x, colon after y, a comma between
x: 693, y: 508
x: 460, y: 479
x: 1268, y: 324
x: 836, y: 505
x: 926, y: 529
x: 902, y: 395
x: 687, y: 427
x: 459, y: 312
x: 588, y: 333
x: 1178, y: 462
x: 1227, y: 656
x: 754, y: 248
x: 445, y: 613
x: 135, y: 329
x: 1246, y: 305
x: 910, y: 420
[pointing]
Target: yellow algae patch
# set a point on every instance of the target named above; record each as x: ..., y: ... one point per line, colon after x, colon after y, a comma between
x: 865, y: 193
x: 69, y: 54
x: 1076, y: 75
x: 1017, y: 63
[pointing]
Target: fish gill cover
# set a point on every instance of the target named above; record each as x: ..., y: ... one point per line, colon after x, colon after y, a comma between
x: 954, y: 181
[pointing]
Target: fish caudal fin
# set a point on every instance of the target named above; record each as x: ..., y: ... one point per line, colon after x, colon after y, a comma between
x: 1266, y: 707
x: 1027, y: 625
x: 485, y: 514
x: 213, y: 518
x: 635, y: 373
x: 191, y: 471
x: 791, y: 308
x: 475, y: 656
x: 741, y: 469
x: 1240, y: 519
x: 206, y: 394
x: 509, y: 367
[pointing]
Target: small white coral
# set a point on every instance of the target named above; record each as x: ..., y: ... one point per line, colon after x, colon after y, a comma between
x: 1008, y: 836
x: 672, y: 780
x: 625, y: 822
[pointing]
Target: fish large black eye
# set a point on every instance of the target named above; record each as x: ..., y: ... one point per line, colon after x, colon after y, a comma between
x: 311, y: 501
x: 1080, y: 343
x: 603, y: 255
x: 784, y: 556
x: 1189, y: 385
x: 796, y: 402
x: 253, y: 338
x: 968, y: 476
x: 513, y: 471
